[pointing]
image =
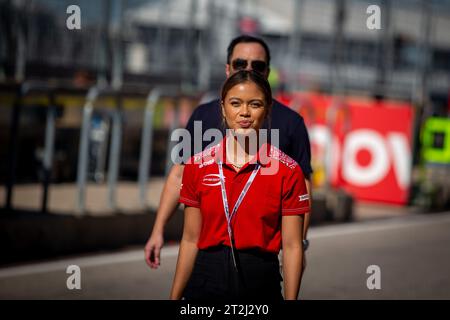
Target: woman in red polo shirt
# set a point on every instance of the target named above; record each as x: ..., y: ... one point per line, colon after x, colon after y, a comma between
x: 244, y: 199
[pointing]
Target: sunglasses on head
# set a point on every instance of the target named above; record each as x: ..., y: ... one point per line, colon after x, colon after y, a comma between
x: 257, y: 65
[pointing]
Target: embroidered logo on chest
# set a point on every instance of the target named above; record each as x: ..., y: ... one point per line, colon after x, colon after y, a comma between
x: 211, y: 180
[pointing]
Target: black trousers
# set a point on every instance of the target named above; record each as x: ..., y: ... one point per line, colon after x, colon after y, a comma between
x: 215, y: 278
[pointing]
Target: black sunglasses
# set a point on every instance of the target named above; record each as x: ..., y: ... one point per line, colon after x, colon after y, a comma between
x: 257, y: 65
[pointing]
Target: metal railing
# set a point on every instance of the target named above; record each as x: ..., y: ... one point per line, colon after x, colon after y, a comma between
x: 21, y: 91
x: 152, y: 97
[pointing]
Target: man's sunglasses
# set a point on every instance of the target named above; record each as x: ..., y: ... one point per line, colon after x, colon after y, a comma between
x: 257, y: 65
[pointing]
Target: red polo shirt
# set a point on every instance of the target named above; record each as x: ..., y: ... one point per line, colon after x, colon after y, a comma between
x: 278, y: 190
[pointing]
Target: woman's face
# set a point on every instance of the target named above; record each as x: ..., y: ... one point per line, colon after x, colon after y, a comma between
x: 244, y: 108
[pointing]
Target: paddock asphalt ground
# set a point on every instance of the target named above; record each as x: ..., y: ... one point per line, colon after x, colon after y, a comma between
x: 412, y: 252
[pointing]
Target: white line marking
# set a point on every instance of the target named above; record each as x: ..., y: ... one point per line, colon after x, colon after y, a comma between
x: 379, y: 225
x: 90, y: 261
x: 172, y: 250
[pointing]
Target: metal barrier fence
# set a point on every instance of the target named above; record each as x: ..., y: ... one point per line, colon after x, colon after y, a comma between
x: 92, y: 95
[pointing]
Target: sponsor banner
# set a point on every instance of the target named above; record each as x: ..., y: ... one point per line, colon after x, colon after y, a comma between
x: 362, y: 145
x: 436, y: 140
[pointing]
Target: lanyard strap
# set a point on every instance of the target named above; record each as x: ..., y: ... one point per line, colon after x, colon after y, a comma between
x: 238, y: 202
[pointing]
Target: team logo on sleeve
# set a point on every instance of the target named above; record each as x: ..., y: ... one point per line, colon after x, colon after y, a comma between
x: 303, y: 197
x: 211, y: 180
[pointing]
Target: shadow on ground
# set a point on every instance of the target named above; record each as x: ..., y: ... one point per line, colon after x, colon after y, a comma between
x: 28, y: 235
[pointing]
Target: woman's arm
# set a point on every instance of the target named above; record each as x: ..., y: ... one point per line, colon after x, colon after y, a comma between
x: 188, y: 251
x: 292, y: 236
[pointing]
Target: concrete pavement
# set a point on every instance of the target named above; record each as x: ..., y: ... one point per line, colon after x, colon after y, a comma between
x: 412, y: 252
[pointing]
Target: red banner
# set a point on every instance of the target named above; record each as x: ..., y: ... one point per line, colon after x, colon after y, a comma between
x: 361, y: 145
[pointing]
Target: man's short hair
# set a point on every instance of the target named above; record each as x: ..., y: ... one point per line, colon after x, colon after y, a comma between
x: 247, y: 39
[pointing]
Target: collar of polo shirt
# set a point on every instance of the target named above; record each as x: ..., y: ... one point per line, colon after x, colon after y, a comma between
x: 261, y: 157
